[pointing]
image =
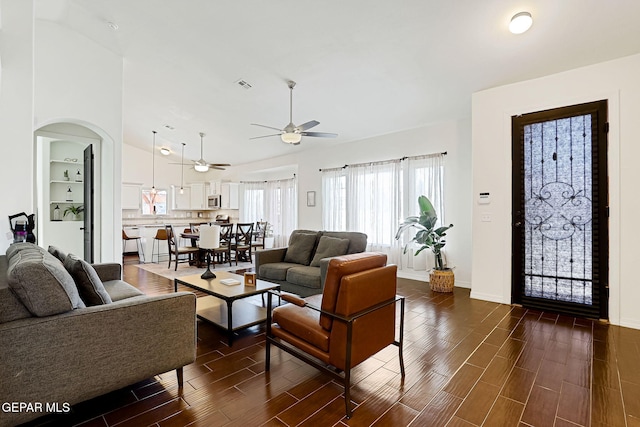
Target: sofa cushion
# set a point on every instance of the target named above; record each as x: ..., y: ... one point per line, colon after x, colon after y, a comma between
x: 300, y: 248
x: 42, y: 284
x: 329, y: 247
x: 306, y: 276
x: 57, y: 252
x: 275, y: 270
x: 357, y: 240
x: 119, y: 290
x: 89, y: 284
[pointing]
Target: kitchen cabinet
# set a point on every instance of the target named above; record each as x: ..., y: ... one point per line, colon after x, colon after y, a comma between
x: 199, y: 193
x: 181, y: 201
x: 131, y: 196
x: 230, y: 195
x: 214, y: 188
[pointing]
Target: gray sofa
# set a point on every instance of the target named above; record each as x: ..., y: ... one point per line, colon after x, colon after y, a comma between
x: 65, y: 339
x: 301, y: 267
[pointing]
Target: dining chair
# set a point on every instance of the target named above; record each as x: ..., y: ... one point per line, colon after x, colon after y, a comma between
x: 223, y: 253
x: 176, y: 251
x: 258, y: 235
x: 353, y: 319
x: 244, y: 239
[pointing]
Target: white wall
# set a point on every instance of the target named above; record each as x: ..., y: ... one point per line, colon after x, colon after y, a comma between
x: 77, y: 81
x: 17, y: 161
x: 616, y: 81
x: 453, y: 137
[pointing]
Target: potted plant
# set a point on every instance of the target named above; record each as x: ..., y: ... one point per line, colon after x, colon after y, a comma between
x: 441, y: 278
x: 75, y: 211
x: 66, y: 174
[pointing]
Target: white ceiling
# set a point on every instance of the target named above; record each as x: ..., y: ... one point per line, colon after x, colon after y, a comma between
x: 363, y: 67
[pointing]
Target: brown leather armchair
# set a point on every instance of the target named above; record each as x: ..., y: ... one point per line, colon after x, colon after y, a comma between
x: 353, y: 319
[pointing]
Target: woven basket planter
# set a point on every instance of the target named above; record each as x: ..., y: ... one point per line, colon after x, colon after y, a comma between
x: 441, y: 280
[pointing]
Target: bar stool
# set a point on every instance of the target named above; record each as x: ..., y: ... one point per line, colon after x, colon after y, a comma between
x: 138, y: 239
x: 161, y: 235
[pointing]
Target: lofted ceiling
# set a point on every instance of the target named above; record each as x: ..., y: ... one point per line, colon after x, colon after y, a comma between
x: 362, y: 67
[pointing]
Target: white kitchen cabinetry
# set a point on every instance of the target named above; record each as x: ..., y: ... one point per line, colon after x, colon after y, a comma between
x: 131, y: 196
x: 214, y: 188
x: 230, y: 195
x: 181, y: 201
x: 199, y: 193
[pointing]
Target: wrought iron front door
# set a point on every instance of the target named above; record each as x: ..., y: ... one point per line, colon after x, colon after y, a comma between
x: 560, y: 238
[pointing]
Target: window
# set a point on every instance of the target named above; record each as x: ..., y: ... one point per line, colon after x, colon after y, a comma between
x: 374, y: 198
x: 154, y: 204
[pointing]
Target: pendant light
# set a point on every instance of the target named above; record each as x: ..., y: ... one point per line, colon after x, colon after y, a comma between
x: 182, y: 170
x: 153, y: 164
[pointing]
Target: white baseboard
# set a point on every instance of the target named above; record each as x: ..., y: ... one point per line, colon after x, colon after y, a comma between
x: 630, y: 323
x: 423, y: 276
x: 488, y: 297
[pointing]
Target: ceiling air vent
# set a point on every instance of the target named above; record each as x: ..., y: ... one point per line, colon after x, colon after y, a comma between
x: 244, y: 84
x: 169, y: 127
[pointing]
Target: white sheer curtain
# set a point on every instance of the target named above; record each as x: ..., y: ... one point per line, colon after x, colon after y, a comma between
x: 281, y: 208
x: 375, y: 198
x: 425, y: 176
x: 374, y: 204
x: 253, y: 201
x: 334, y: 213
x: 275, y: 202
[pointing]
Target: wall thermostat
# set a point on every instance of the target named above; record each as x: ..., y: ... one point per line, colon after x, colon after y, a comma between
x: 484, y: 198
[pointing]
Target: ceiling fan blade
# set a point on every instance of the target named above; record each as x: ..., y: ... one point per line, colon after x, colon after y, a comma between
x: 265, y: 136
x: 268, y: 127
x: 217, y: 167
x: 218, y: 164
x: 308, y: 125
x: 320, y: 134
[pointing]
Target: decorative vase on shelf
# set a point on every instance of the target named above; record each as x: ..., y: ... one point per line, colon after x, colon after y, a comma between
x: 78, y: 176
x: 69, y: 195
x: 56, y: 213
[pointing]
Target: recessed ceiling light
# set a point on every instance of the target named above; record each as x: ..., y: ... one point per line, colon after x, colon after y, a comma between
x: 520, y: 22
x: 112, y: 25
x: 165, y: 151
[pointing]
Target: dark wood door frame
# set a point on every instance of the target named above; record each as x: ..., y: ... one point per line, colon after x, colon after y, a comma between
x: 600, y: 239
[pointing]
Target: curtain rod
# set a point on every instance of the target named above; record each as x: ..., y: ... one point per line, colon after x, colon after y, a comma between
x: 444, y: 153
x: 274, y: 180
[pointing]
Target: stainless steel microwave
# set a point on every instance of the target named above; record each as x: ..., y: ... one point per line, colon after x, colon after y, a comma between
x: 213, y: 201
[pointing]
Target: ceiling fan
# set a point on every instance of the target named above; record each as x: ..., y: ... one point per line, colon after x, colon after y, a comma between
x: 201, y: 165
x: 292, y: 134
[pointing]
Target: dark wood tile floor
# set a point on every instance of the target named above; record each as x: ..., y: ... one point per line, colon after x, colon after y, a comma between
x: 469, y: 363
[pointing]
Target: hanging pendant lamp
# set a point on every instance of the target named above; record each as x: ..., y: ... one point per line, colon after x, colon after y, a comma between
x: 153, y: 164
x: 182, y: 170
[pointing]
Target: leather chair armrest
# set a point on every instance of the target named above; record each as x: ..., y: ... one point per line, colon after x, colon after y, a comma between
x: 293, y: 299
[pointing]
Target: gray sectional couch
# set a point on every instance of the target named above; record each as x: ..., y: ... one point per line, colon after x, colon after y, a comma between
x: 301, y: 267
x: 71, y: 334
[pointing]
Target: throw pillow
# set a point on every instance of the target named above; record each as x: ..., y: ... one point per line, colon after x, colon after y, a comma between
x: 329, y: 247
x: 57, y: 252
x: 300, y: 248
x: 42, y: 284
x: 89, y: 285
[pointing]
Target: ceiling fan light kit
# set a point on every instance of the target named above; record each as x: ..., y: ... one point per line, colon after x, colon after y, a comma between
x: 292, y: 134
x: 291, y: 137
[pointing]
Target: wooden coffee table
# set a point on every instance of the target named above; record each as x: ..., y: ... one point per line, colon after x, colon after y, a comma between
x: 224, y: 306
